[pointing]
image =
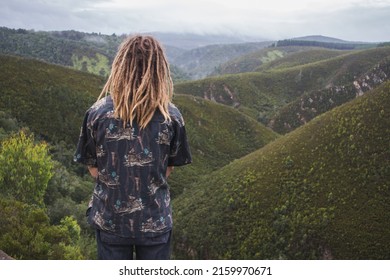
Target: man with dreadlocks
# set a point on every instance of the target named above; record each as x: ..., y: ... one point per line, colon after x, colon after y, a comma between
x: 131, y: 139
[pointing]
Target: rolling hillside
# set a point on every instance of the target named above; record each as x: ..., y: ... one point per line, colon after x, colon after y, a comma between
x: 51, y: 100
x: 262, y: 94
x: 94, y: 53
x: 314, y: 103
x: 91, y: 53
x: 319, y: 192
x: 276, y: 57
x: 200, y: 62
x: 306, y: 55
x: 217, y: 135
x: 88, y: 52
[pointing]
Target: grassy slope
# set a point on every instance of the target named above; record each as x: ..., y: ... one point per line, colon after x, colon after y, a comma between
x: 314, y: 103
x: 262, y: 94
x: 321, y: 191
x: 75, y: 49
x: 276, y: 57
x: 217, y: 135
x: 304, y: 56
x: 51, y: 100
x: 88, y: 52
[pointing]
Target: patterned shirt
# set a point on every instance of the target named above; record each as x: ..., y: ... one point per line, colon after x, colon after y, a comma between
x: 131, y: 196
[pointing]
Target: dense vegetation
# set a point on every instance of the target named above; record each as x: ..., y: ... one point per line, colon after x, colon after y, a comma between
x: 275, y: 57
x: 262, y: 94
x: 81, y: 51
x: 51, y: 101
x: 88, y: 52
x: 321, y: 191
x: 314, y: 103
x: 93, y: 52
x: 218, y: 135
x: 30, y: 185
x: 48, y: 99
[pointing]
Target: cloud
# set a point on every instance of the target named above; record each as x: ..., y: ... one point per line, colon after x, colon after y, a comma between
x: 276, y: 19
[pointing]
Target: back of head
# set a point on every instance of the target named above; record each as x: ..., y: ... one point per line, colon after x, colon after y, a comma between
x: 140, y: 81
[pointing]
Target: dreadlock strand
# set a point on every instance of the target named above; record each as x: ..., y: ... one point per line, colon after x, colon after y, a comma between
x: 140, y: 81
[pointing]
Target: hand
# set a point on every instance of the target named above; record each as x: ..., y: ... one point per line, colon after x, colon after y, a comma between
x: 169, y: 171
x: 93, y: 171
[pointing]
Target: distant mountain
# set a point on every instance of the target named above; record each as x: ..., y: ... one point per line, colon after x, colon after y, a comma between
x: 325, y: 39
x: 272, y: 57
x: 319, y: 192
x: 94, y: 53
x: 200, y: 62
x: 320, y: 38
x: 325, y: 42
x: 189, y: 41
x: 300, y: 56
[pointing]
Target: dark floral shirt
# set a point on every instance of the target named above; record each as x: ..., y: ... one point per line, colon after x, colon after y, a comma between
x: 131, y: 196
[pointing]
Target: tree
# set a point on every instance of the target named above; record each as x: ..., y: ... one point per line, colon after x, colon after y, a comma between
x: 25, y: 169
x: 25, y: 233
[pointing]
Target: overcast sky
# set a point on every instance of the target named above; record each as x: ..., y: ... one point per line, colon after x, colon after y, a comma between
x: 355, y: 20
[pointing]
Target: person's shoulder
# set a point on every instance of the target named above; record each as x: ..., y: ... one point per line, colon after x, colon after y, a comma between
x: 175, y: 114
x: 100, y: 108
x: 101, y: 104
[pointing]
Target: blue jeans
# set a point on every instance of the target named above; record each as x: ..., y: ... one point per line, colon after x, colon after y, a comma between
x: 112, y: 247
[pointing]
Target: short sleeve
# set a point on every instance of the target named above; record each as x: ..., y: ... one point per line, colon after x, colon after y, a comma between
x: 180, y: 153
x: 86, y: 147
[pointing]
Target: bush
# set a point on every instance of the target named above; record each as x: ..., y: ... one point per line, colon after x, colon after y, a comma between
x: 25, y: 169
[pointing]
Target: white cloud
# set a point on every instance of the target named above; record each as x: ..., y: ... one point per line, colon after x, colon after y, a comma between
x: 274, y: 19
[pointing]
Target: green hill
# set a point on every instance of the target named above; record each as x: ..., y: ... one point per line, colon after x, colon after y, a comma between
x: 217, y: 135
x: 88, y: 52
x: 262, y: 94
x: 314, y: 103
x: 200, y: 62
x: 324, y: 42
x: 276, y: 57
x: 91, y: 53
x: 319, y: 192
x: 51, y: 100
x: 305, y: 56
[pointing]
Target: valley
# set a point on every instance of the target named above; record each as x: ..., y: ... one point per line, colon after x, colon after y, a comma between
x: 290, y: 145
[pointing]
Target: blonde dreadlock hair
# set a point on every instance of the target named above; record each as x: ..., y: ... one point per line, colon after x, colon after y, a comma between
x: 140, y: 81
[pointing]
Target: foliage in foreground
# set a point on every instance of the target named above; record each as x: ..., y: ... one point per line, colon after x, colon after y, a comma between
x: 26, y: 231
x: 25, y: 169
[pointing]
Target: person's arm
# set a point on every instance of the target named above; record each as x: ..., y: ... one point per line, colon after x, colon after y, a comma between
x: 93, y: 171
x: 169, y: 171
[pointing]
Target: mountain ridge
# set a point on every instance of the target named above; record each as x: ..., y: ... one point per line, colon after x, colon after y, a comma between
x: 94, y: 52
x: 262, y: 94
x: 51, y: 100
x: 319, y: 192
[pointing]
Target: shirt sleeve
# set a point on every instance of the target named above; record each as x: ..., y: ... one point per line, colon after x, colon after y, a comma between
x: 180, y: 150
x: 86, y: 147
